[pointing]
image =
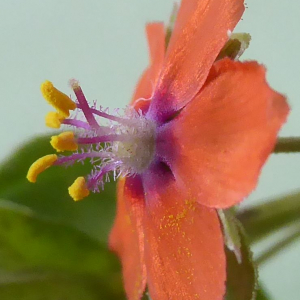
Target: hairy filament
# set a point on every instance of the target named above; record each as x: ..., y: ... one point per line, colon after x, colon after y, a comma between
x: 96, y: 179
x: 109, y: 117
x: 102, y: 139
x: 83, y: 104
x: 79, y: 156
x: 76, y: 123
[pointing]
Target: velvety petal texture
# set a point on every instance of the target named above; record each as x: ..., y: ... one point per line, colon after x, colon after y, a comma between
x: 216, y: 124
x: 184, y: 248
x: 199, y: 34
x: 219, y: 142
x: 127, y: 236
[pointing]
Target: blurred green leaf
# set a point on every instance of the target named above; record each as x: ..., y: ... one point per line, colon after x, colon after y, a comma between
x: 49, y: 195
x: 46, y: 286
x: 241, y: 277
x: 278, y: 246
x: 28, y: 242
x: 261, y: 220
x: 39, y: 256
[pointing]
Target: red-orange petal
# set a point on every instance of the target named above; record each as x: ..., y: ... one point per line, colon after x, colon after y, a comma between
x: 199, y: 34
x: 184, y: 247
x: 156, y: 43
x: 127, y: 238
x: 224, y: 136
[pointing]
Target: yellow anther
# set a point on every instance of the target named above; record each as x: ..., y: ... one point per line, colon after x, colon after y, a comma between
x: 78, y: 190
x: 57, y: 99
x: 54, y: 119
x: 64, y: 142
x: 40, y: 165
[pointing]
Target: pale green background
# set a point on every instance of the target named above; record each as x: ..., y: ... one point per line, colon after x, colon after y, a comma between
x: 102, y: 44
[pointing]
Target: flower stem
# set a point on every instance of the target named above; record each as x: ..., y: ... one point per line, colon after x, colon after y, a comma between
x: 287, y: 145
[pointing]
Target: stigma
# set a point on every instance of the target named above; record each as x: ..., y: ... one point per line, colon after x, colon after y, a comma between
x: 117, y: 144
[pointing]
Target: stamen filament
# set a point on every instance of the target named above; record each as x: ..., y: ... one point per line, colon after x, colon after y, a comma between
x: 93, y: 181
x: 109, y: 117
x: 79, y: 156
x: 76, y: 123
x: 83, y: 104
x: 102, y: 139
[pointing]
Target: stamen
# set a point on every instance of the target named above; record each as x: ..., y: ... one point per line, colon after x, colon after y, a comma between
x: 57, y: 99
x: 78, y: 190
x: 76, y: 123
x: 39, y: 166
x: 54, y: 119
x: 125, y: 145
x: 102, y: 139
x: 83, y: 104
x: 108, y: 116
x: 82, y: 156
x: 96, y: 179
x: 64, y: 142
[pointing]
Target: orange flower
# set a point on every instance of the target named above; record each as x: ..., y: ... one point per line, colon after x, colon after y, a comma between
x: 194, y: 139
x: 218, y: 124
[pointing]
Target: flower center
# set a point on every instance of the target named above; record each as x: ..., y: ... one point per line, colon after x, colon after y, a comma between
x: 137, y: 148
x: 124, y: 145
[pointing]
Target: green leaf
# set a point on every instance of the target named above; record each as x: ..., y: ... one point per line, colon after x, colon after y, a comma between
x: 49, y: 195
x: 47, y: 286
x: 262, y: 220
x: 279, y: 246
x: 28, y: 242
x: 38, y: 256
x: 241, y: 276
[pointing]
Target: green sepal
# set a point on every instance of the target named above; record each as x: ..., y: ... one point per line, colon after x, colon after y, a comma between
x: 262, y: 294
x: 231, y: 232
x: 170, y: 27
x: 235, y: 46
x: 242, y: 274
